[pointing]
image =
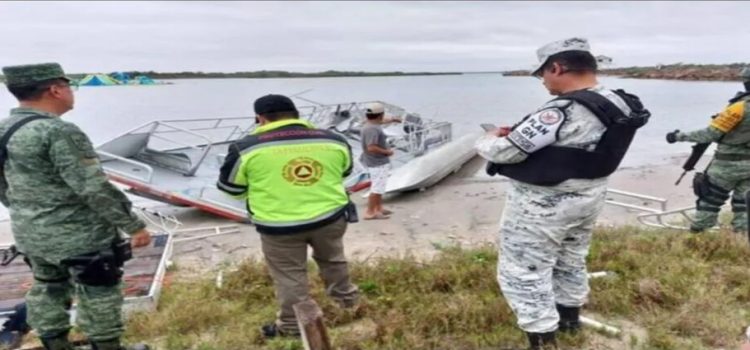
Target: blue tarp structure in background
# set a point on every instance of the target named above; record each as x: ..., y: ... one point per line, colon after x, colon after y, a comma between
x: 120, y: 76
x: 116, y: 78
x: 97, y: 80
x: 142, y: 80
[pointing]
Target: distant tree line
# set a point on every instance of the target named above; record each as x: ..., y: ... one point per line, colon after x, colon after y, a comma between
x: 264, y: 74
x: 278, y: 74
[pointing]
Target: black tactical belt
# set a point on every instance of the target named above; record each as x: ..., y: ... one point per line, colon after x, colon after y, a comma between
x: 732, y: 157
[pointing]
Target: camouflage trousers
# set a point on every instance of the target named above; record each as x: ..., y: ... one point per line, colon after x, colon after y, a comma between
x: 725, y: 177
x: 545, y: 234
x: 98, y: 308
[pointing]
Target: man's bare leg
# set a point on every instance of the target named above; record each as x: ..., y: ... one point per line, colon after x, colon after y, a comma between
x: 374, y: 206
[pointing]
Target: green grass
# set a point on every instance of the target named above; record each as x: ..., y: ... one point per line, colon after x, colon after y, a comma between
x: 686, y: 291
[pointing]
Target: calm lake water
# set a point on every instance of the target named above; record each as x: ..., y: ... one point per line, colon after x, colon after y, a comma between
x: 465, y: 100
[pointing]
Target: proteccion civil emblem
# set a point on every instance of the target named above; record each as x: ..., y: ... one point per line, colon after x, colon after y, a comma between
x: 303, y: 171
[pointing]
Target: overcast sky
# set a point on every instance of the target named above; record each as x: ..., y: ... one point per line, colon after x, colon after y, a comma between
x: 369, y: 36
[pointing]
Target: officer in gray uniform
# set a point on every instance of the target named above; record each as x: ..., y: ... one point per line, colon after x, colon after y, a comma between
x: 558, y: 159
x: 729, y: 170
x: 64, y: 213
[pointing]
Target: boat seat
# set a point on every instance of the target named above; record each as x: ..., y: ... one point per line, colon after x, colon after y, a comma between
x: 179, y: 162
x: 126, y: 146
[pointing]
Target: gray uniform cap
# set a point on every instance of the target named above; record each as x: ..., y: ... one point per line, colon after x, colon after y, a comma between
x: 572, y: 44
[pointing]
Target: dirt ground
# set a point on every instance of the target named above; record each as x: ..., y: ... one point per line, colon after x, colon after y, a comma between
x: 464, y: 209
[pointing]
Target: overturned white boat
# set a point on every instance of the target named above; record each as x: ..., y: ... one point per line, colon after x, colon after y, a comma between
x: 178, y: 161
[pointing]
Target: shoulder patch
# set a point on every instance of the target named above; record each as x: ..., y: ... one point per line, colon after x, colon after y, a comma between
x: 538, y: 130
x: 730, y: 117
x: 79, y: 140
x: 79, y: 143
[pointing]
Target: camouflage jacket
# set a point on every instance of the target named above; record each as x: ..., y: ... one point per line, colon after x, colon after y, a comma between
x: 59, y: 199
x: 579, y: 129
x: 730, y: 129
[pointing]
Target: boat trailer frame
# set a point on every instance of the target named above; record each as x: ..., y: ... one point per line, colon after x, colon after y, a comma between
x: 650, y: 216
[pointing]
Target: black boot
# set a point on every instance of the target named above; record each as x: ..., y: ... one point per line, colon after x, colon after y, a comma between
x: 57, y: 342
x: 570, y: 321
x: 542, y: 341
x: 114, y: 344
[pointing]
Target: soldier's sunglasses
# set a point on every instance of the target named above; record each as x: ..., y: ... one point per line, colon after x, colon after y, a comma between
x: 73, y: 85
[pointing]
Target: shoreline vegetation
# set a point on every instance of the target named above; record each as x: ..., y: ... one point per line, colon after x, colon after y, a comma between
x: 692, y: 294
x: 677, y: 71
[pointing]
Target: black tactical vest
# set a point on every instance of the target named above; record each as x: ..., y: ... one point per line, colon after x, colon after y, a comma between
x: 552, y: 165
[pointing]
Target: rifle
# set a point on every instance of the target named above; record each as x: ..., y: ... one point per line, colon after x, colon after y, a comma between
x: 8, y: 255
x: 695, y: 155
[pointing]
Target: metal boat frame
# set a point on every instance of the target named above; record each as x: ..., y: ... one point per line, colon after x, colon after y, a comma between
x: 177, y: 161
x: 649, y: 216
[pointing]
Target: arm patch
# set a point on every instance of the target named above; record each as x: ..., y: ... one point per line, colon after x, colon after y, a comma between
x: 538, y: 130
x: 80, y: 145
x: 730, y: 117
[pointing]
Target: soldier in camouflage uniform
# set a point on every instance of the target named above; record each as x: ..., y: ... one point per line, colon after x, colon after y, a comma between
x: 545, y: 230
x: 729, y: 170
x: 62, y: 208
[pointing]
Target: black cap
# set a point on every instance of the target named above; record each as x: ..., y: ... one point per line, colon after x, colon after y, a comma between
x: 274, y: 104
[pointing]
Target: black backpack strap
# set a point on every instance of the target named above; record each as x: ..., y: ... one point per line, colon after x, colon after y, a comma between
x: 607, y: 112
x: 6, y: 137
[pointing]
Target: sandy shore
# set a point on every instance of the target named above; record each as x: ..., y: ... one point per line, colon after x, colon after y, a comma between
x: 464, y: 209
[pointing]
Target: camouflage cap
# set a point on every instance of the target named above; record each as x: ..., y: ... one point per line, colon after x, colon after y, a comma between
x: 572, y: 44
x: 745, y: 74
x: 30, y: 74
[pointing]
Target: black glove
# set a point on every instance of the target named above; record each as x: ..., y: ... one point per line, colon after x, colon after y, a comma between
x: 672, y: 136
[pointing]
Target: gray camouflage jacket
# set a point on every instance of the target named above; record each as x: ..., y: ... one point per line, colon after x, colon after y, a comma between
x: 580, y: 129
